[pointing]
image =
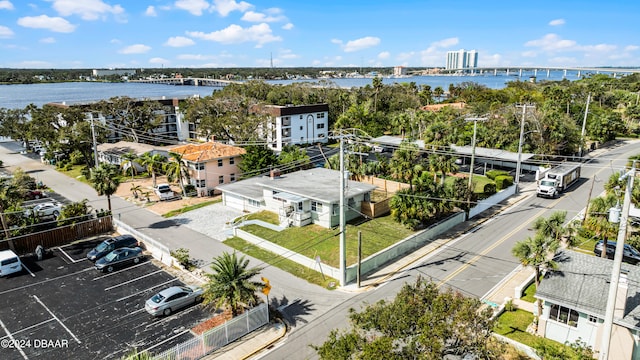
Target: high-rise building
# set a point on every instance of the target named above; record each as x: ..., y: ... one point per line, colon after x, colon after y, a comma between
x: 462, y: 59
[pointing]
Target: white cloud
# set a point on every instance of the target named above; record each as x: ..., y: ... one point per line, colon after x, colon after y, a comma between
x: 135, y: 49
x: 158, y: 60
x: 288, y: 54
x: 435, y: 54
x: 55, y: 24
x: 270, y: 15
x: 384, y: 55
x: 405, y: 56
x: 115, y: 41
x: 5, y: 32
x: 361, y: 44
x: 287, y: 26
x: 48, y: 40
x: 179, y: 41
x: 86, y: 9
x: 445, y: 43
x: 552, y: 42
x: 556, y: 22
x: 235, y: 34
x: 151, y: 11
x: 6, y: 5
x: 224, y: 7
x: 34, y: 64
x: 195, y: 7
x: 529, y: 54
x: 631, y: 48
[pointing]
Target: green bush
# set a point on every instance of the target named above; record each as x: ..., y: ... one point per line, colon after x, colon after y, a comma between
x: 68, y: 167
x: 182, y: 255
x: 503, y: 181
x: 489, y: 189
x: 76, y: 158
x: 492, y: 174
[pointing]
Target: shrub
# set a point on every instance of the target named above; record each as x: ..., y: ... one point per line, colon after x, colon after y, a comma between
x: 492, y: 174
x: 68, y: 167
x: 489, y: 189
x: 182, y: 255
x: 190, y: 190
x: 76, y: 158
x: 503, y: 181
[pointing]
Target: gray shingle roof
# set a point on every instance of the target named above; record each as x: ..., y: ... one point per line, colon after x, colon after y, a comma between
x: 581, y: 282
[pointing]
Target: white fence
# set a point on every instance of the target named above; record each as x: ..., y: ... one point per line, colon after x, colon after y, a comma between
x: 492, y: 200
x: 157, y: 250
x: 219, y: 336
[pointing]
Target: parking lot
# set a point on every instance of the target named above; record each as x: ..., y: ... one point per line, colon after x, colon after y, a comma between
x: 61, y: 307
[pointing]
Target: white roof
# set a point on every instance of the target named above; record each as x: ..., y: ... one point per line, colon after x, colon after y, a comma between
x: 7, y: 254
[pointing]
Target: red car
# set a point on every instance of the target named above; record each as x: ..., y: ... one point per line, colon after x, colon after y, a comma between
x: 34, y: 195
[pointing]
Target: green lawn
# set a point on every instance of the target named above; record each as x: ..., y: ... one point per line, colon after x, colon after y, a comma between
x: 75, y: 172
x: 313, y: 240
x: 529, y: 293
x: 184, y: 209
x: 285, y: 264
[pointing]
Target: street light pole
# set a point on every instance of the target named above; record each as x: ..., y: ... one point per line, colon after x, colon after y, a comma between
x: 617, y: 263
x: 343, y: 228
x: 519, y: 163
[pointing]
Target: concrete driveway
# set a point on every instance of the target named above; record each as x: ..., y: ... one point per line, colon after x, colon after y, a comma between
x: 210, y: 220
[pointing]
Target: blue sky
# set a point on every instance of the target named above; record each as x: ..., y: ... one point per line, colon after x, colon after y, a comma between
x: 328, y: 33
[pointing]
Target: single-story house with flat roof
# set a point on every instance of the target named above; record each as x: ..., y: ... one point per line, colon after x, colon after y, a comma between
x: 575, y: 300
x: 299, y: 198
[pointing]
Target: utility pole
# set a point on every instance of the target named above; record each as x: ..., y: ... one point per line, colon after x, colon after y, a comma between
x: 617, y: 263
x: 519, y: 163
x: 95, y: 146
x: 584, y: 124
x: 473, y: 152
x: 343, y: 229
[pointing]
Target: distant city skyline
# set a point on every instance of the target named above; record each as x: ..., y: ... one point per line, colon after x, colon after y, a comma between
x: 229, y: 33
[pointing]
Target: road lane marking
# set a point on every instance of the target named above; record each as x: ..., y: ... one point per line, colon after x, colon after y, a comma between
x: 59, y: 321
x: 493, y: 246
x: 13, y: 341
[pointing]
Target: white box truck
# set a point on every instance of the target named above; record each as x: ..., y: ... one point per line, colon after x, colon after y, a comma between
x: 558, y: 179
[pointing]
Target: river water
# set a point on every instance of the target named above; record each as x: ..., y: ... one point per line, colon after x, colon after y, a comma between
x: 19, y: 96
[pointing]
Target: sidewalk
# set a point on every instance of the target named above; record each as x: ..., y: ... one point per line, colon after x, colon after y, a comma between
x: 250, y: 344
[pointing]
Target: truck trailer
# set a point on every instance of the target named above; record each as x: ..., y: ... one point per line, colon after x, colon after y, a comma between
x: 558, y: 179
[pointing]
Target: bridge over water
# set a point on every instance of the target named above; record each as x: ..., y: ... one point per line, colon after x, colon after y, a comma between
x: 187, y: 81
x: 543, y: 70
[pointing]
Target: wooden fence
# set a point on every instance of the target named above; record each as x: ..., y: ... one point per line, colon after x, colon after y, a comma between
x: 63, y: 235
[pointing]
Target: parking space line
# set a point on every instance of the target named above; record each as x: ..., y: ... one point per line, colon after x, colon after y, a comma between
x: 69, y: 257
x: 55, y: 317
x: 132, y: 280
x: 43, y: 281
x: 147, y: 289
x: 26, y: 268
x: 119, y: 271
x: 13, y: 341
x: 30, y: 327
x: 162, y: 342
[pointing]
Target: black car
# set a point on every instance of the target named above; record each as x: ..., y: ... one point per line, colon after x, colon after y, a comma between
x: 119, y: 258
x: 111, y: 244
x: 630, y: 254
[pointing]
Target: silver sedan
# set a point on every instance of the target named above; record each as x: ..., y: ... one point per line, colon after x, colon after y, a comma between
x: 172, y: 299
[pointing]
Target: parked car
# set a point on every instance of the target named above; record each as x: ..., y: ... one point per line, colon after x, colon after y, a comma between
x: 111, y: 244
x: 119, y: 258
x: 164, y: 192
x: 48, y: 209
x: 630, y: 254
x: 9, y: 263
x: 34, y: 194
x: 172, y: 299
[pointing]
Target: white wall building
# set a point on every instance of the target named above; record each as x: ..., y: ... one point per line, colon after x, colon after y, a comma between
x: 462, y: 59
x: 295, y: 125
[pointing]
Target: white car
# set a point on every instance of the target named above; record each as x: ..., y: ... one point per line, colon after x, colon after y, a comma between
x: 49, y: 209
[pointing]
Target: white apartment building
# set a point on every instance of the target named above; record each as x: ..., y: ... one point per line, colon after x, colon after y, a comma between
x: 462, y: 59
x: 295, y: 125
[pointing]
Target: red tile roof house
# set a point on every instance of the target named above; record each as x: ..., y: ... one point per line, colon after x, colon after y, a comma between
x: 210, y: 164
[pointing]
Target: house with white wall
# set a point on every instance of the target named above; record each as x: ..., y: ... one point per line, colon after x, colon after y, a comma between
x: 295, y: 125
x: 299, y: 198
x: 210, y: 164
x: 575, y: 300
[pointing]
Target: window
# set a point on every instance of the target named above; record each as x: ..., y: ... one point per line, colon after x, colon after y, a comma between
x: 320, y: 115
x: 301, y: 127
x: 201, y: 183
x: 592, y: 319
x: 299, y: 206
x: 300, y: 116
x: 564, y: 315
x: 335, y: 209
x: 220, y: 179
x: 320, y: 126
x: 254, y: 203
x: 232, y: 161
x: 219, y: 162
x: 232, y: 177
x: 316, y: 206
x: 199, y: 166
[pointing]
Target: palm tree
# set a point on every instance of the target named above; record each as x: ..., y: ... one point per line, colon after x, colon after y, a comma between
x: 537, y: 252
x: 405, y: 163
x: 105, y: 180
x: 230, y: 283
x: 176, y: 169
x: 128, y: 162
x: 553, y: 226
x: 153, y: 163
